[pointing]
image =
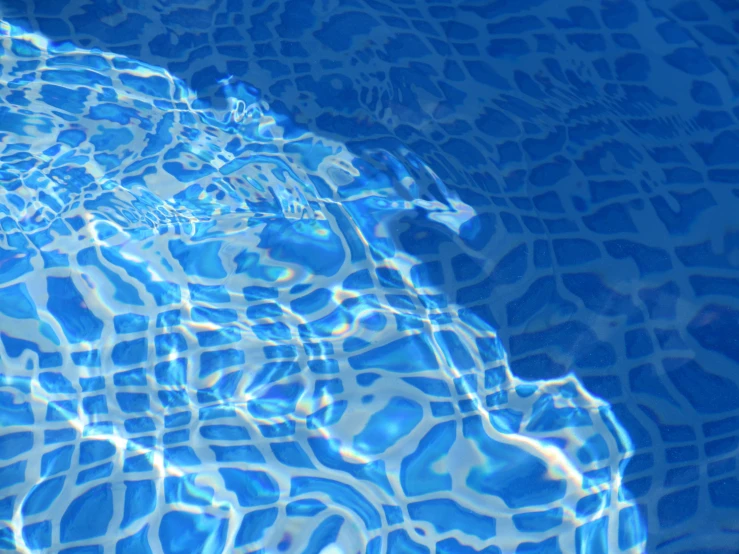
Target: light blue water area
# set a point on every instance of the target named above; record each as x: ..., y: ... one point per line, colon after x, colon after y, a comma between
x: 365, y: 277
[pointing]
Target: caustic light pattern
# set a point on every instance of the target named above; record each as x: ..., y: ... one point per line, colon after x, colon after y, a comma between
x: 358, y: 277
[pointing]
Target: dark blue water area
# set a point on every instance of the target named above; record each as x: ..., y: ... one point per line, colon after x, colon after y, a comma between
x: 327, y: 276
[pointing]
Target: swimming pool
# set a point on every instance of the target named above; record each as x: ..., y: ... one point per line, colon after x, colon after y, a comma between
x: 353, y: 276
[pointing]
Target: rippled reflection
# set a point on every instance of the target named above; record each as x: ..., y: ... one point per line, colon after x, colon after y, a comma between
x: 230, y: 325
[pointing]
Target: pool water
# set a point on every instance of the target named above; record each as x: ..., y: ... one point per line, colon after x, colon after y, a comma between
x: 336, y: 276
